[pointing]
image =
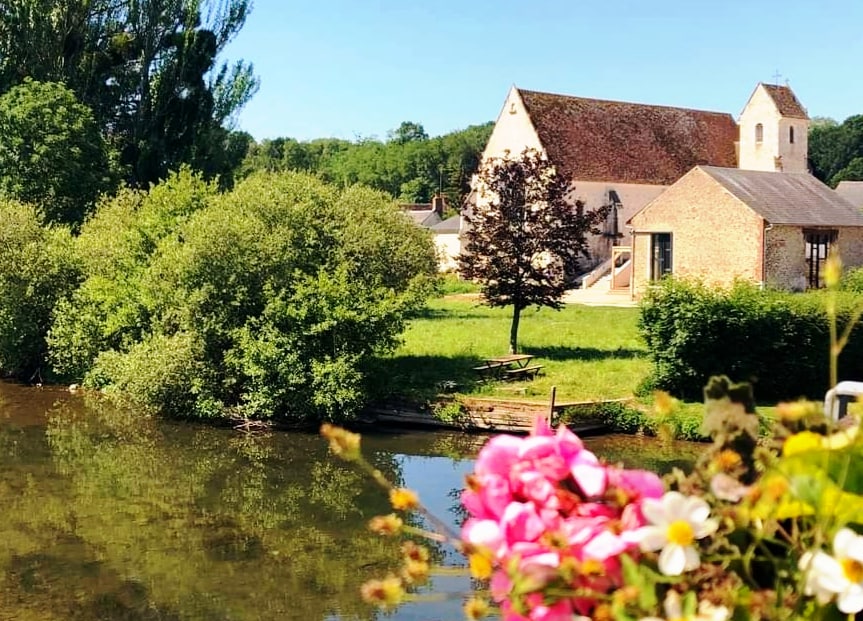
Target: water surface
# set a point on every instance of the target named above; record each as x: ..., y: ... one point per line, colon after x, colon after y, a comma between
x: 109, y: 514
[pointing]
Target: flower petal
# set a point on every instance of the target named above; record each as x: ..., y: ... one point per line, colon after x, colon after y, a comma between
x: 654, y: 511
x: 672, y: 560
x: 651, y: 538
x: 851, y: 601
x: 692, y: 558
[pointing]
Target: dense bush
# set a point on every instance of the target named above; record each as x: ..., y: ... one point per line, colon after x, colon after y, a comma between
x: 269, y: 301
x: 37, y: 268
x: 778, y: 341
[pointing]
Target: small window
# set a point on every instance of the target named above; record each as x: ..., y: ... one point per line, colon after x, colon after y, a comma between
x: 759, y: 133
x: 791, y: 135
x: 660, y: 264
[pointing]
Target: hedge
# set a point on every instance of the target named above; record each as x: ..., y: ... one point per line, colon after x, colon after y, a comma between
x: 778, y: 341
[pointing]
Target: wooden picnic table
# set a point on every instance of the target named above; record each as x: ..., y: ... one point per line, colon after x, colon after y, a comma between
x: 511, y: 366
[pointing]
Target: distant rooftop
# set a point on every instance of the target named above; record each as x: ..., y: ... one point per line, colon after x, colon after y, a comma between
x: 851, y: 191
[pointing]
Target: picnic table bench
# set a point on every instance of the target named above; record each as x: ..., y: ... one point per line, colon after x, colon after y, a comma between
x: 512, y: 366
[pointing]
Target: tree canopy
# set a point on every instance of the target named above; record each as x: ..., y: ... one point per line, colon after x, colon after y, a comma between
x: 524, y: 234
x: 836, y: 149
x: 147, y: 69
x: 52, y: 154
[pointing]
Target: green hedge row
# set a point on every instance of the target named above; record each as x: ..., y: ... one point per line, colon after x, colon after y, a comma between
x: 777, y: 341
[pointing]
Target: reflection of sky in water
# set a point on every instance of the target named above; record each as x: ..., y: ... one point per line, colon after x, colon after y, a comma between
x: 434, y: 479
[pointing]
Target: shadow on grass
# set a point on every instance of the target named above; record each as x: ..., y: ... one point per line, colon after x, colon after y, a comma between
x: 424, y: 376
x: 448, y: 313
x: 558, y: 352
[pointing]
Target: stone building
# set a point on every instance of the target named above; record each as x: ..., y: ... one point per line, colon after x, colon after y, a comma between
x: 616, y: 153
x: 722, y: 224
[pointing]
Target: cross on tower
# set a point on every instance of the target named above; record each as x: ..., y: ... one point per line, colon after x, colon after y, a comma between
x: 776, y: 77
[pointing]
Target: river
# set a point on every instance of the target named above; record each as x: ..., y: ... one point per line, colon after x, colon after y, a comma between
x: 112, y: 515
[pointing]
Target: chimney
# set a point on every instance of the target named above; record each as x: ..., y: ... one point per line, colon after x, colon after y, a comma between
x: 438, y: 203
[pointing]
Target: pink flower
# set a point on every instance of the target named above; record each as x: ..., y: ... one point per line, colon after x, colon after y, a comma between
x: 520, y: 522
x: 638, y: 484
x: 491, y: 499
x: 498, y: 455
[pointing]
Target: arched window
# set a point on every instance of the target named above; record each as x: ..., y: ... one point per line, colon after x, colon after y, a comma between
x: 791, y: 135
x: 759, y: 133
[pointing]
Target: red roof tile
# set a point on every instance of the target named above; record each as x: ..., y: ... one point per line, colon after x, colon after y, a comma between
x: 596, y: 140
x: 785, y: 100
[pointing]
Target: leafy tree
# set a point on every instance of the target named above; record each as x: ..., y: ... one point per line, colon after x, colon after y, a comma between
x: 833, y: 149
x: 52, y: 154
x: 408, y: 132
x: 279, y: 319
x: 524, y: 235
x: 37, y: 268
x: 147, y: 69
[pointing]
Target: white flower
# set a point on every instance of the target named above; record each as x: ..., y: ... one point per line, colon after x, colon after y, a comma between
x: 840, y: 574
x: 676, y: 521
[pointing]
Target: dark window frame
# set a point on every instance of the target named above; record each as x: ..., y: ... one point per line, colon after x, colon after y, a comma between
x: 661, y: 255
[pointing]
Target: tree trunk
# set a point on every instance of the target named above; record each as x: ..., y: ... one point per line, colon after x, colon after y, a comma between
x: 513, y: 330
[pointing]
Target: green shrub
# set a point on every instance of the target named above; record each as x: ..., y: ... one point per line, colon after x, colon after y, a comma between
x: 777, y: 341
x: 37, y: 268
x: 852, y: 280
x: 276, y: 296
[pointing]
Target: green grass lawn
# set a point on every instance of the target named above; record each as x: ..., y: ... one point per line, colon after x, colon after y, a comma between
x: 588, y: 353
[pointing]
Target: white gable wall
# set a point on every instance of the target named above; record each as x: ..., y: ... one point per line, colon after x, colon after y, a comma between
x: 513, y: 132
x: 775, y: 142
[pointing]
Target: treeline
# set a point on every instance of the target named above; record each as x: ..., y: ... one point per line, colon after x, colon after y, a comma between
x: 270, y: 300
x: 408, y: 165
x: 836, y: 149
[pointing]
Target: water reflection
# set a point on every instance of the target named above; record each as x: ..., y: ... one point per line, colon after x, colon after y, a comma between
x: 112, y: 515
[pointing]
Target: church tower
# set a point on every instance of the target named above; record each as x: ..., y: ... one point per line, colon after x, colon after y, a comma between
x: 774, y: 131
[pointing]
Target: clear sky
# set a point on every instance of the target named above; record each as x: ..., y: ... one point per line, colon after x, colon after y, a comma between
x: 358, y: 68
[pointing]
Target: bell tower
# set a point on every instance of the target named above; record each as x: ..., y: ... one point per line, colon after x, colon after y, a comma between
x: 774, y: 131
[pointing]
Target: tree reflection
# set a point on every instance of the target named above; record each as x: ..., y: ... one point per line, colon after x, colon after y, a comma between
x: 116, y: 516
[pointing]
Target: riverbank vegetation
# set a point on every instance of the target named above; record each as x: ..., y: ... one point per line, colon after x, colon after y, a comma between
x: 269, y: 301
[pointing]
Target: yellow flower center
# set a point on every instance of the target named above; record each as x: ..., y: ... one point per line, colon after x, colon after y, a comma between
x: 680, y: 532
x: 852, y: 569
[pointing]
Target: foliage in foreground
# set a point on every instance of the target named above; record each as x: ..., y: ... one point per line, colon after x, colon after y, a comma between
x: 758, y: 531
x: 778, y: 341
x: 268, y: 301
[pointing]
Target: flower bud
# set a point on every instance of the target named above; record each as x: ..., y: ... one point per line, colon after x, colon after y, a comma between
x: 403, y: 499
x: 342, y: 442
x: 832, y: 270
x: 386, y: 524
x: 480, y: 565
x: 476, y: 608
x: 386, y: 593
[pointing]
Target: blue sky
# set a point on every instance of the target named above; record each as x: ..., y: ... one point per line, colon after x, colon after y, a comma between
x: 358, y: 68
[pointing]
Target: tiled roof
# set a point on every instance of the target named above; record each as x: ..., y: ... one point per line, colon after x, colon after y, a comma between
x: 851, y: 191
x: 786, y: 101
x: 787, y: 198
x: 596, y: 140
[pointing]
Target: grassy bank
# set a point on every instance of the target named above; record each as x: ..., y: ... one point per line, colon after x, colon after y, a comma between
x: 588, y: 353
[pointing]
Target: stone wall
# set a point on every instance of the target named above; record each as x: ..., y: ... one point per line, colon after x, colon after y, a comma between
x: 715, y: 237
